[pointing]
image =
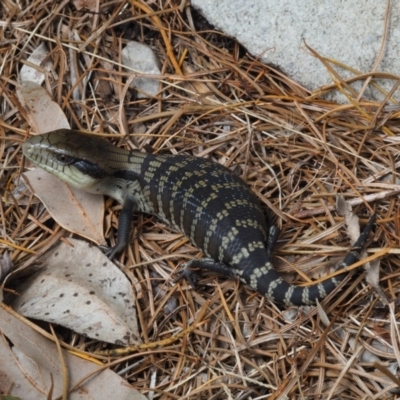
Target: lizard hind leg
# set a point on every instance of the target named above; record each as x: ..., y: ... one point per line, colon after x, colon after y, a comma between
x: 191, y: 276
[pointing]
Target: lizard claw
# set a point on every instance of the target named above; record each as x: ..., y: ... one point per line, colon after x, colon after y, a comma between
x: 187, y: 273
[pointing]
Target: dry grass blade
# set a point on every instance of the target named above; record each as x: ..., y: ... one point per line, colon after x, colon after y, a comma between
x: 296, y: 150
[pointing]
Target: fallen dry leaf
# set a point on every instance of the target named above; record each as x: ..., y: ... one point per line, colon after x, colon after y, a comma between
x: 31, y: 74
x: 352, y: 221
x: 30, y: 366
x: 142, y: 59
x: 75, y: 210
x: 80, y: 288
x: 89, y: 4
x: 43, y: 113
x: 5, y: 265
x: 373, y: 278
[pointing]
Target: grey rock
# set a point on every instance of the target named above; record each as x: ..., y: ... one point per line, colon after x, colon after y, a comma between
x: 141, y: 58
x: 347, y: 31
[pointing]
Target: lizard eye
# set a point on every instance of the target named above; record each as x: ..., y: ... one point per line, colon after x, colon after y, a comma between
x: 64, y: 159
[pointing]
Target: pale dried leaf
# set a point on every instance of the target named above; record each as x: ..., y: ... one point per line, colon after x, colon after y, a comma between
x: 290, y: 314
x: 5, y: 265
x: 352, y: 221
x: 368, y: 357
x: 141, y: 58
x: 89, y: 4
x: 381, y: 346
x: 43, y: 113
x: 30, y: 365
x: 372, y: 278
x: 75, y: 210
x: 80, y: 288
x: 31, y: 74
x: 322, y: 314
x: 373, y: 273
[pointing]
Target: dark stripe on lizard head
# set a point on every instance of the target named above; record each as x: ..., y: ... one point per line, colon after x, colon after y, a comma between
x: 127, y: 175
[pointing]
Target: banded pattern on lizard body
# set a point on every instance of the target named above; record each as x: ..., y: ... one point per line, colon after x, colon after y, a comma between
x: 204, y: 200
